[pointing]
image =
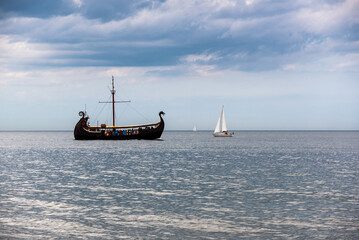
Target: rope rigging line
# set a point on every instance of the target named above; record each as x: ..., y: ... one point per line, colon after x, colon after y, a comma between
x: 138, y: 112
x: 124, y: 93
x: 108, y: 116
x: 118, y: 115
x: 104, y: 105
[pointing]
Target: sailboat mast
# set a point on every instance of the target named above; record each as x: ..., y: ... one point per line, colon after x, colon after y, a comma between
x: 113, y: 91
x: 113, y: 101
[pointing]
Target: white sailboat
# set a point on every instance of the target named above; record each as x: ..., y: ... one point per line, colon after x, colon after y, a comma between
x: 194, y: 128
x: 221, y: 127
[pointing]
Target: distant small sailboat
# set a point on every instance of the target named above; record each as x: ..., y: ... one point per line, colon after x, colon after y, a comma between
x: 194, y: 128
x: 221, y: 127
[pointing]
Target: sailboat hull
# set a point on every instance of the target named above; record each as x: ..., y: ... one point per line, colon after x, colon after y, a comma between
x: 147, y: 132
x: 223, y: 134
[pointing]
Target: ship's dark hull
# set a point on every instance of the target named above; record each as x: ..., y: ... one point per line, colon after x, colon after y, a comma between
x: 146, y: 132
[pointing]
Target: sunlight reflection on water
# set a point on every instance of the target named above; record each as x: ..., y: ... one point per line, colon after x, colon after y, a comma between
x: 190, y: 185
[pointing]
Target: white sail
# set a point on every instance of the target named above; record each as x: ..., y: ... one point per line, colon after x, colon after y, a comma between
x: 221, y: 127
x: 218, y: 126
x: 194, y: 128
x: 221, y: 124
x: 224, y: 125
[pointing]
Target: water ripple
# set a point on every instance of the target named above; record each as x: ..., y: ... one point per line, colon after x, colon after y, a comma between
x: 258, y: 185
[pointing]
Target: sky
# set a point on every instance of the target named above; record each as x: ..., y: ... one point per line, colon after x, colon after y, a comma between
x: 272, y: 64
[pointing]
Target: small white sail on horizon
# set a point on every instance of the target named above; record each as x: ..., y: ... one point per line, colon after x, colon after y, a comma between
x: 194, y: 128
x: 221, y: 127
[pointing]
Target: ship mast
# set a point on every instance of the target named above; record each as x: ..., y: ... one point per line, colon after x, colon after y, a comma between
x: 113, y: 102
x: 113, y: 91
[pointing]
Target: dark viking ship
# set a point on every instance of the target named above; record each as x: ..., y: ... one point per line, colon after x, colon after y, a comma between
x: 83, y: 131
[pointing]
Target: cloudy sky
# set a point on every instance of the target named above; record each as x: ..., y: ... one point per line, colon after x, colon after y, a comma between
x: 273, y: 64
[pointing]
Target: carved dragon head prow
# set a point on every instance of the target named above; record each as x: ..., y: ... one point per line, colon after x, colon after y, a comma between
x: 82, y: 114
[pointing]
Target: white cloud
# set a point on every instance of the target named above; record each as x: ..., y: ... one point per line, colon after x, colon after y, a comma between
x: 10, y: 48
x: 350, y: 62
x: 200, y: 58
x: 289, y: 67
x: 78, y: 3
x: 249, y: 2
x: 263, y: 33
x: 329, y: 19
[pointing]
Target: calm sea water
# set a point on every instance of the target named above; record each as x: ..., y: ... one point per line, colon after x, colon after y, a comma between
x: 256, y: 185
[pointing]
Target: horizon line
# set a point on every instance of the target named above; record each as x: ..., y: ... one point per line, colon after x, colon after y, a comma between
x: 189, y: 130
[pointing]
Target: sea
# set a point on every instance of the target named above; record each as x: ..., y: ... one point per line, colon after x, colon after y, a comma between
x: 186, y: 185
